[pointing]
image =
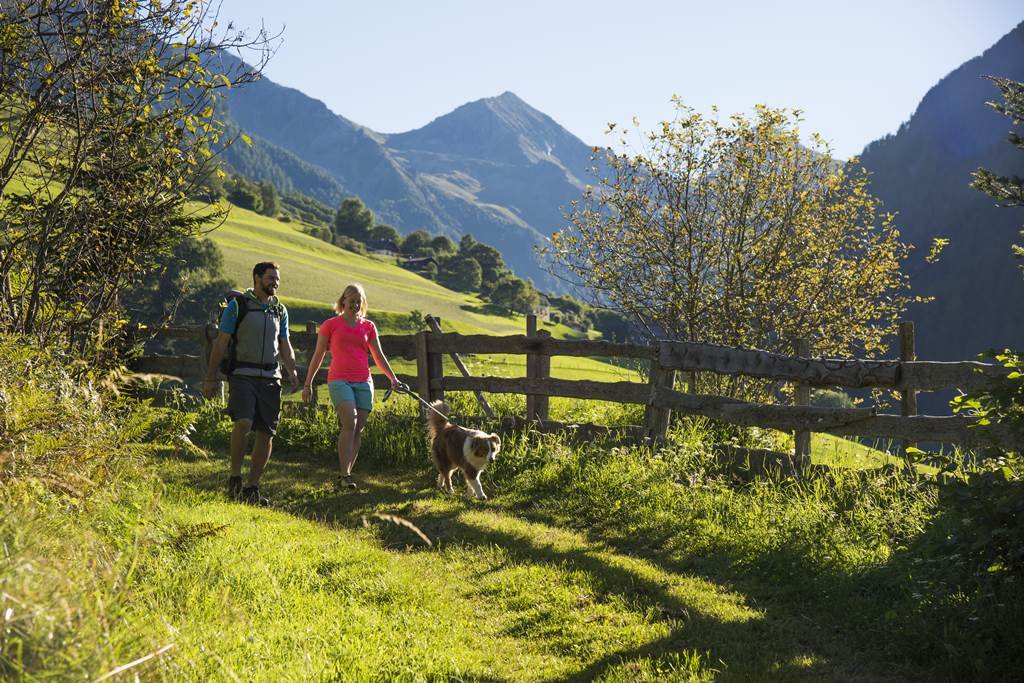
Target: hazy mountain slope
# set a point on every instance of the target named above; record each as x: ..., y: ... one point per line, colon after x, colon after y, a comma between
x: 923, y: 173
x: 263, y: 160
x: 495, y: 168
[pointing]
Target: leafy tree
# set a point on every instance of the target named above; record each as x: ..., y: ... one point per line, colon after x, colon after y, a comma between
x: 349, y: 244
x: 568, y: 304
x: 1006, y: 190
x: 459, y: 272
x: 611, y: 325
x: 491, y: 263
x: 385, y: 233
x: 183, y: 288
x: 108, y: 122
x: 466, y: 243
x: 245, y: 194
x: 429, y: 271
x: 515, y: 294
x: 735, y: 233
x: 416, y: 242
x: 442, y: 244
x: 211, y: 188
x: 271, y: 206
x: 354, y: 220
x: 414, y: 322
x: 321, y: 232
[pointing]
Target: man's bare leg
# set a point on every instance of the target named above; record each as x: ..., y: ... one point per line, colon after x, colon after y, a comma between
x: 260, y: 455
x: 238, y: 442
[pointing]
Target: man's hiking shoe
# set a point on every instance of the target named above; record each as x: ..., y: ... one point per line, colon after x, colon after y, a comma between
x: 234, y: 487
x: 345, y: 482
x: 251, y: 495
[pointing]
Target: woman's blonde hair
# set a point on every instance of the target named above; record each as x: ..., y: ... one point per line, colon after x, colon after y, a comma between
x: 354, y: 288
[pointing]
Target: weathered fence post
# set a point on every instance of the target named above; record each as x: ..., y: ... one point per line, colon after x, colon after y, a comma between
x: 542, y: 370
x: 435, y: 326
x: 209, y: 333
x: 428, y: 368
x: 656, y: 419
x: 908, y: 397
x: 436, y: 362
x: 802, y: 397
x: 531, y: 367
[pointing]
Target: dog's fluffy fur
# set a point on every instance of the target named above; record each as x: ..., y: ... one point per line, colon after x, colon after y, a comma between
x: 457, y: 448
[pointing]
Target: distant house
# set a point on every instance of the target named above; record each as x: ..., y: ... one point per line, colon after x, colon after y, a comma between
x: 417, y: 264
x: 384, y: 247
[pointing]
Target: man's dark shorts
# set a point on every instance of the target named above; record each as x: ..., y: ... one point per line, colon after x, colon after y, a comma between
x: 257, y: 399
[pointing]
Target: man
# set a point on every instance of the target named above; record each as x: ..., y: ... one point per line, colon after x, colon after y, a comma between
x: 261, y: 341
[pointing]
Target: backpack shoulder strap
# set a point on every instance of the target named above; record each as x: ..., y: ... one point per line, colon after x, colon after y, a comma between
x: 243, y: 307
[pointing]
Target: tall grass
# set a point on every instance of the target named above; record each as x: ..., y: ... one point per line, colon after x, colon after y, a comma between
x: 78, y: 505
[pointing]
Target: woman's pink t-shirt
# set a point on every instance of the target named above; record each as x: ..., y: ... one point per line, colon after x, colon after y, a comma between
x: 349, y: 346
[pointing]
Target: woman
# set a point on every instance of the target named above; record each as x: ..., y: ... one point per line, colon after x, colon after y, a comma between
x: 349, y: 336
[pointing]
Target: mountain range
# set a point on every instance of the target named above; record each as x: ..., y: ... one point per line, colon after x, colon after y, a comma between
x: 495, y: 168
x: 502, y: 171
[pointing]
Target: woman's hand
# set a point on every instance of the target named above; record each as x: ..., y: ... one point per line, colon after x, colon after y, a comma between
x: 307, y: 393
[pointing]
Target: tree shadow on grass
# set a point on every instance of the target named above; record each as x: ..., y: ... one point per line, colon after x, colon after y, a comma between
x: 767, y: 634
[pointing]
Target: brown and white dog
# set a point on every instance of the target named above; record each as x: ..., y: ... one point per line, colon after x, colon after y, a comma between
x: 454, y: 447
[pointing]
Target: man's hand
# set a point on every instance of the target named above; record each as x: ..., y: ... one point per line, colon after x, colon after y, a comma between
x: 293, y: 379
x: 210, y: 388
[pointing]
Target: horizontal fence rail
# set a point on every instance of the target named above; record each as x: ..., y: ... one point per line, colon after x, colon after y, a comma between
x: 824, y: 372
x: 664, y: 358
x: 519, y: 344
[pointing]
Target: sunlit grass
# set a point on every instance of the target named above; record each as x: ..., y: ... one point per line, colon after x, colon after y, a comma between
x: 314, y: 273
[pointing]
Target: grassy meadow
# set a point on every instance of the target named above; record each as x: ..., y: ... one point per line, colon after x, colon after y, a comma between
x: 314, y: 273
x: 594, y: 561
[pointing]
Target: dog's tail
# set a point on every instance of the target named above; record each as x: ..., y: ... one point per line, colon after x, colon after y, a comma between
x: 435, y: 423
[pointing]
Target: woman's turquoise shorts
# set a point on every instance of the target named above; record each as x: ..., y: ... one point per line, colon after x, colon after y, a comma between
x: 361, y: 393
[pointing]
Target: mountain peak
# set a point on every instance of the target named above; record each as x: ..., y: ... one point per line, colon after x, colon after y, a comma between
x: 503, y: 128
x: 509, y: 99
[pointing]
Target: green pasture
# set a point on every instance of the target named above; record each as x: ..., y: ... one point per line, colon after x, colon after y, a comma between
x: 314, y: 273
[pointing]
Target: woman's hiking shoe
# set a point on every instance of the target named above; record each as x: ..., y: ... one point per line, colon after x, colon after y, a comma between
x: 234, y: 487
x: 345, y: 482
x: 251, y: 495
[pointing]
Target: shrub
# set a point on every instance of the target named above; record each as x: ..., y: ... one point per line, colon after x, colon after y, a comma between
x: 350, y: 244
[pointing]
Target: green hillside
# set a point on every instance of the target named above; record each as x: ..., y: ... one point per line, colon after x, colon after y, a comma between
x: 314, y: 273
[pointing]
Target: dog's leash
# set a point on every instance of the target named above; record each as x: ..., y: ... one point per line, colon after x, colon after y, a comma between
x: 403, y: 388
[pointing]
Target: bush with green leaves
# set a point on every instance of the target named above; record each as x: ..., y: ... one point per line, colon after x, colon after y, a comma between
x: 985, y: 495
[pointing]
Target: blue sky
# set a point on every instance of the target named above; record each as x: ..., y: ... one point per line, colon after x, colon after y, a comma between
x: 857, y: 70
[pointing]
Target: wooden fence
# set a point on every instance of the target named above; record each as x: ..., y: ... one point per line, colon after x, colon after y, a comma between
x: 665, y: 359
